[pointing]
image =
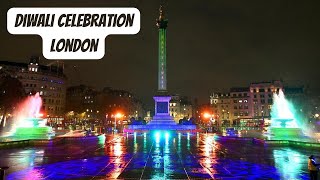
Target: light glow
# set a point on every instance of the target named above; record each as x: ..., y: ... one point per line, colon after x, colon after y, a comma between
x: 207, y: 115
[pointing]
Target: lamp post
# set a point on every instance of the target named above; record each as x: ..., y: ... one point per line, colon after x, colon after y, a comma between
x: 262, y: 125
x: 115, y: 123
x: 118, y: 115
x: 238, y: 120
x: 210, y: 117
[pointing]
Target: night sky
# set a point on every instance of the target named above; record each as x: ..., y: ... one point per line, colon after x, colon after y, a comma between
x: 212, y: 45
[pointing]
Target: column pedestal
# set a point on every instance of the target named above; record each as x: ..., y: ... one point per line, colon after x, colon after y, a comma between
x: 162, y: 114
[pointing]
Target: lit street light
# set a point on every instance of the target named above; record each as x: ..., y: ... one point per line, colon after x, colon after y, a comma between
x: 207, y: 115
x: 118, y: 115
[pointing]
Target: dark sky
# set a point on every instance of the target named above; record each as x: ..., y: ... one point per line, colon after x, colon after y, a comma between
x: 212, y: 45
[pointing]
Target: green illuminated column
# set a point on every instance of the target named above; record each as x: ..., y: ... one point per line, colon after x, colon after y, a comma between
x: 162, y: 63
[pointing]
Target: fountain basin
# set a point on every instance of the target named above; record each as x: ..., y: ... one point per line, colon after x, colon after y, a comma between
x: 33, y: 131
x: 286, y: 132
x: 35, y: 127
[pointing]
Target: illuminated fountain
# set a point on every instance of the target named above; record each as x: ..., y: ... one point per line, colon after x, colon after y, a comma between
x: 283, y: 120
x: 28, y: 122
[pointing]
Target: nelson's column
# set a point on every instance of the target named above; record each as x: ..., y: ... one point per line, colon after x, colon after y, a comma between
x: 162, y: 113
x: 162, y: 119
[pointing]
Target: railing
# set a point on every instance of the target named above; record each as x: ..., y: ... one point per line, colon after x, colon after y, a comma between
x: 14, y: 144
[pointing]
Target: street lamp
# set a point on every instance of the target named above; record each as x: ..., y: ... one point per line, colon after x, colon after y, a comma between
x: 209, y: 116
x: 238, y: 120
x: 118, y: 115
x: 262, y: 125
x: 206, y: 115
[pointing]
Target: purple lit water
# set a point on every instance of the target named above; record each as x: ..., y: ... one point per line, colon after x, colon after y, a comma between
x: 157, y: 156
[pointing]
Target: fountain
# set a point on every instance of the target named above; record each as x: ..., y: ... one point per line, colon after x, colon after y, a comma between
x: 27, y: 121
x: 283, y: 120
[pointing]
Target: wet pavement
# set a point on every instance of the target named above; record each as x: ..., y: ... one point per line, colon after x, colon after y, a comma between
x: 157, y: 155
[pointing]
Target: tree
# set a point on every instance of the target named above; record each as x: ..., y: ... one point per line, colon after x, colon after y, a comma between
x: 11, y: 93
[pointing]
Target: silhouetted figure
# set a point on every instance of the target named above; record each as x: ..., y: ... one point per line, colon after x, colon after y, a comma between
x: 2, y: 172
x: 312, y: 167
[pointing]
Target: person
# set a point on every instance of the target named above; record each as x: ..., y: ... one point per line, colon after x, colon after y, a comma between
x: 312, y: 167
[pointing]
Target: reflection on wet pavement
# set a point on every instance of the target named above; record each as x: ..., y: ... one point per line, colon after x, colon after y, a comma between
x: 157, y: 155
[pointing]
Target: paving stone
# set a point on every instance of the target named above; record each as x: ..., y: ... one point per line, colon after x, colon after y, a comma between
x: 133, y: 157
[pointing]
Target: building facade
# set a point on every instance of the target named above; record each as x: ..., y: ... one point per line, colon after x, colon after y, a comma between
x: 103, y: 104
x: 48, y: 80
x: 261, y: 95
x: 220, y: 104
x: 82, y: 99
x: 180, y: 107
x: 245, y: 106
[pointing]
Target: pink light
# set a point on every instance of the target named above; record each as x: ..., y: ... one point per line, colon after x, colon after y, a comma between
x: 29, y: 108
x: 39, y: 115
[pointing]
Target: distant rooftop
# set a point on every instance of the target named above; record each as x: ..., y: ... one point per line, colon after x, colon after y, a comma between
x: 239, y: 89
x: 51, y: 69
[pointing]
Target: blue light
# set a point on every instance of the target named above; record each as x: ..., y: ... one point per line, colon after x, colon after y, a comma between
x: 157, y: 137
x: 167, y: 135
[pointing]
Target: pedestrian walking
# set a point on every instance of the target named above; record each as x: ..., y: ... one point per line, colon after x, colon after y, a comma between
x: 312, y: 167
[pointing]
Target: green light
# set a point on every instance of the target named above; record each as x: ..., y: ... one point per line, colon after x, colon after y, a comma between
x: 162, y: 76
x: 101, y: 139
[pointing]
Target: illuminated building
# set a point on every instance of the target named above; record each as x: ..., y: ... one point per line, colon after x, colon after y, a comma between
x: 97, y: 104
x: 240, y: 104
x: 82, y: 99
x: 49, y: 80
x: 245, y: 106
x: 220, y: 104
x: 114, y: 100
x: 180, y: 107
x: 261, y: 96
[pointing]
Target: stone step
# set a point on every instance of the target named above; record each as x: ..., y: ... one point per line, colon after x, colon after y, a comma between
x: 162, y: 123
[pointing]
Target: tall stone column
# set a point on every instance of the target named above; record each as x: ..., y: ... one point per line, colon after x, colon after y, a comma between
x: 162, y: 99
